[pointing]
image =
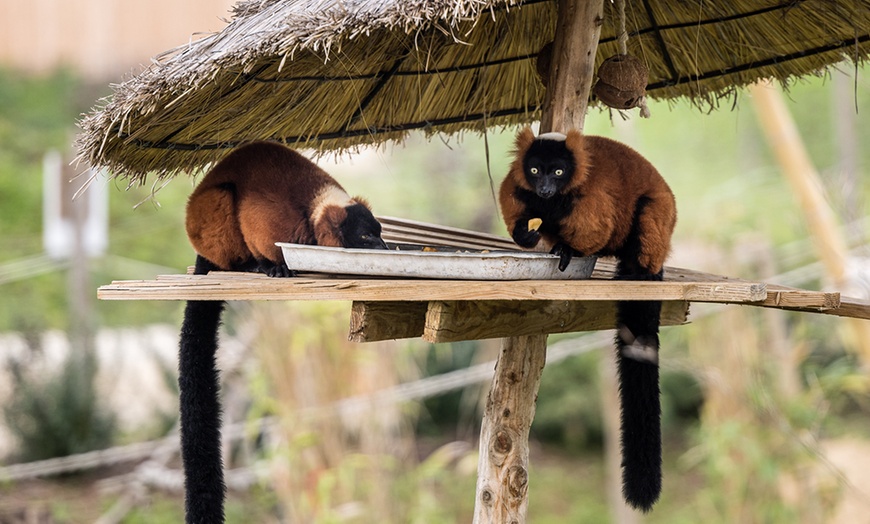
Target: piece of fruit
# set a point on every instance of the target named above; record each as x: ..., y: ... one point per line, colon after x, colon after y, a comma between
x: 535, y: 223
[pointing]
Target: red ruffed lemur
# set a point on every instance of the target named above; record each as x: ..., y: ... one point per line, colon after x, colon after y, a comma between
x: 589, y: 195
x: 259, y: 194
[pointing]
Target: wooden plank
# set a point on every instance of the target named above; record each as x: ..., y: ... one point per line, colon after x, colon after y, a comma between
x: 372, y: 321
x: 428, y: 240
x: 783, y: 297
x: 249, y: 286
x: 396, y: 225
x: 476, y: 320
x: 679, y: 284
x: 851, y: 307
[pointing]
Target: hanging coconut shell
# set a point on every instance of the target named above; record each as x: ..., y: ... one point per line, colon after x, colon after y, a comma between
x: 542, y: 63
x: 622, y: 81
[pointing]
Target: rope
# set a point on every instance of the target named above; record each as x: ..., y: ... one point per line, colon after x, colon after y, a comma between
x: 622, y: 43
x: 622, y: 39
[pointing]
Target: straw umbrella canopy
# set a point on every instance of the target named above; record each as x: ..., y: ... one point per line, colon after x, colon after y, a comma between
x: 333, y: 74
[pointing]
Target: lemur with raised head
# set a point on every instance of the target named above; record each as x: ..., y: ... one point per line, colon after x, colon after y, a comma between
x: 589, y: 195
x: 259, y: 194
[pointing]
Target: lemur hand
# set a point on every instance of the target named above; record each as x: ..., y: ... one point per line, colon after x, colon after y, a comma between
x: 565, y: 253
x: 523, y: 237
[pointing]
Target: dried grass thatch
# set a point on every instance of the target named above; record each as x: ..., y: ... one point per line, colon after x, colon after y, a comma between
x: 333, y: 74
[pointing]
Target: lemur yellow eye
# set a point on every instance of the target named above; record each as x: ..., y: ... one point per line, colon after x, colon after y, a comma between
x: 534, y: 170
x: 559, y: 172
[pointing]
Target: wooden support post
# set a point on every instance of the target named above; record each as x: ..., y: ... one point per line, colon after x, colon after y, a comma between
x: 572, y: 64
x: 502, y: 469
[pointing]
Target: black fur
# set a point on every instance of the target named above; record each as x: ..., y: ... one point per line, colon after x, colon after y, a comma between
x: 554, y: 164
x: 550, y: 210
x: 199, y: 382
x: 639, y: 382
x: 360, y: 229
x: 199, y: 390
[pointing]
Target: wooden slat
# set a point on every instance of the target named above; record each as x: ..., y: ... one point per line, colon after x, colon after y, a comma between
x: 393, y: 224
x: 426, y: 240
x: 849, y: 308
x: 246, y: 286
x: 373, y: 321
x: 413, y: 232
x: 784, y: 297
x: 476, y: 320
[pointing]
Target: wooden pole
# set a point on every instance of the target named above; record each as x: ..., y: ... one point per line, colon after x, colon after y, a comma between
x: 798, y: 169
x: 572, y: 64
x: 502, y: 469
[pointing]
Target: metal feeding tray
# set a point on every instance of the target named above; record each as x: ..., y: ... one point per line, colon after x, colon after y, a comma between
x: 411, y: 261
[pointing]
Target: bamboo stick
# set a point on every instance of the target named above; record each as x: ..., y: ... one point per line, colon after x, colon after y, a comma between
x: 798, y: 169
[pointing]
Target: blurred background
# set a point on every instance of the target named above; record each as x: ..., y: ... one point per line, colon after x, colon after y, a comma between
x: 765, y: 411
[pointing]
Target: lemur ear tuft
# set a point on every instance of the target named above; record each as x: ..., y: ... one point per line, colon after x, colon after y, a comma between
x: 363, y: 202
x: 574, y: 141
x: 524, y: 140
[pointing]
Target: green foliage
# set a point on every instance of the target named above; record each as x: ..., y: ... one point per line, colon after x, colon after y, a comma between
x: 58, y: 414
x: 38, y: 114
x: 682, y: 398
x: 449, y: 411
x: 568, y: 411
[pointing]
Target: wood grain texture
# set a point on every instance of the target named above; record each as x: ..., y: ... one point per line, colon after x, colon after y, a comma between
x: 248, y: 286
x: 373, y: 321
x: 702, y: 288
x: 476, y: 320
x: 502, y: 467
x: 572, y: 65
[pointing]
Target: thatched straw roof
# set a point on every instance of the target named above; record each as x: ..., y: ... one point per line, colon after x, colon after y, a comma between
x: 333, y: 74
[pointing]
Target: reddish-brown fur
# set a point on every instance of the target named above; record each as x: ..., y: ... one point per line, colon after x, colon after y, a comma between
x: 609, y: 179
x: 260, y: 194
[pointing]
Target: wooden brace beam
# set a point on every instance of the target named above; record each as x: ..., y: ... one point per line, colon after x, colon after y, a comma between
x: 440, y: 321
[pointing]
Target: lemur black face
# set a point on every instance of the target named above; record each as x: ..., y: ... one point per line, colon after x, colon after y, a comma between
x: 548, y: 166
x: 360, y: 230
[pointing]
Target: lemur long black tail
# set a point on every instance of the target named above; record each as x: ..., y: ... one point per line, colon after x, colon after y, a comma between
x: 199, y: 388
x: 637, y: 351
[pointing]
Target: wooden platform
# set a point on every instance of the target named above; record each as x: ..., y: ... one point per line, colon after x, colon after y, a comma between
x: 450, y: 310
